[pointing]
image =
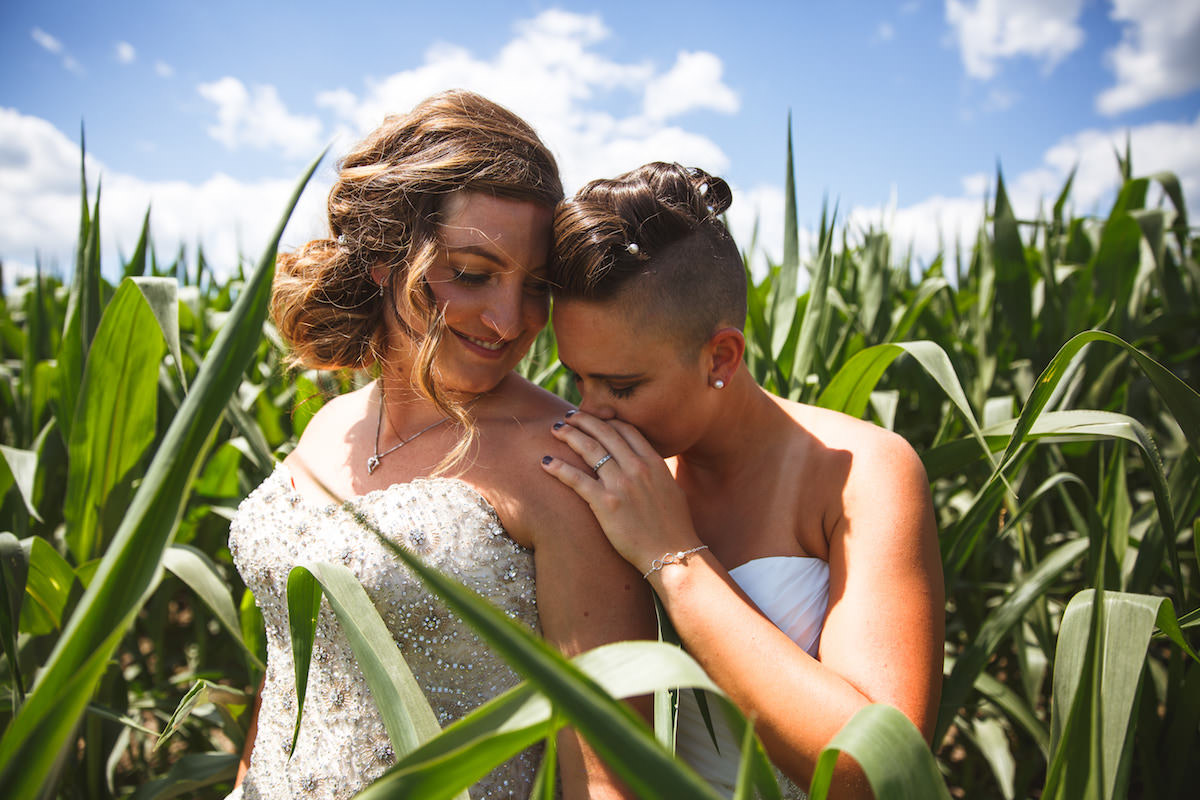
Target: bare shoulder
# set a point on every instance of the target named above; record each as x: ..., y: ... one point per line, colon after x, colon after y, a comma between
x: 335, y: 418
x: 878, y: 468
x: 533, y: 504
x: 324, y: 447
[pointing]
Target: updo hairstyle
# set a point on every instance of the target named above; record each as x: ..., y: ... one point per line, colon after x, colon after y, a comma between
x: 652, y: 240
x: 385, y: 209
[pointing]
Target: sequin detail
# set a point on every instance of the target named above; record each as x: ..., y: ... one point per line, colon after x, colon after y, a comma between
x: 343, y: 745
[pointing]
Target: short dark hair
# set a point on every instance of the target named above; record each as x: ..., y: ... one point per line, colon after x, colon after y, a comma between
x: 653, y: 239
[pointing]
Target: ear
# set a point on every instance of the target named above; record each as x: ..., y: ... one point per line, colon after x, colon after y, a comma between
x: 379, y: 274
x: 724, y: 353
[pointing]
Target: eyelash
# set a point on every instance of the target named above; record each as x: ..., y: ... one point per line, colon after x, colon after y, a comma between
x: 539, y: 288
x: 618, y: 392
x: 470, y: 278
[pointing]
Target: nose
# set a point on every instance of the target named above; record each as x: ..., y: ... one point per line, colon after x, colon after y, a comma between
x: 503, y: 314
x: 592, y: 402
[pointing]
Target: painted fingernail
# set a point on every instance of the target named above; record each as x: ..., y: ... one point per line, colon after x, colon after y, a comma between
x: 571, y: 413
x: 547, y: 459
x: 559, y: 424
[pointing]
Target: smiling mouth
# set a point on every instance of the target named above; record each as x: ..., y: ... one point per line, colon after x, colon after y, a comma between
x: 492, y: 347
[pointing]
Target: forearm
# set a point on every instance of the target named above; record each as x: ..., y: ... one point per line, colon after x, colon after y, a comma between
x: 799, y: 704
x: 251, y: 735
x: 585, y: 775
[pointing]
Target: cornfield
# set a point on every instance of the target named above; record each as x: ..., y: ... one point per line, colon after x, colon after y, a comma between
x: 1044, y: 374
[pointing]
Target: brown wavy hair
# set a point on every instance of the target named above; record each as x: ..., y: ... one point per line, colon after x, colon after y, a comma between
x: 653, y: 240
x: 385, y: 210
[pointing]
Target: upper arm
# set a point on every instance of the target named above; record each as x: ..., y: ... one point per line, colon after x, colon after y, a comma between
x: 885, y: 629
x: 587, y: 594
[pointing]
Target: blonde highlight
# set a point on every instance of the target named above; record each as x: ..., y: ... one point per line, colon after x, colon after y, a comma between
x: 384, y: 212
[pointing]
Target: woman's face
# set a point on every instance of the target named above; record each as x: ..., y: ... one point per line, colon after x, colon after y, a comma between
x: 489, y: 278
x: 625, y: 371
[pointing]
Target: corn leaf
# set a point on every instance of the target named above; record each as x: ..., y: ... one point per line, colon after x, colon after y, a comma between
x: 132, y: 563
x: 14, y: 570
x: 970, y: 663
x: 115, y: 417
x: 891, y: 751
x: 1126, y: 625
x: 47, y: 587
x: 406, y: 713
x: 617, y: 735
x: 19, y: 468
x: 188, y: 775
x: 197, y: 570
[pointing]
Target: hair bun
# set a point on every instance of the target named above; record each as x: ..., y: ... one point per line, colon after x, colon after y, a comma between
x: 713, y: 192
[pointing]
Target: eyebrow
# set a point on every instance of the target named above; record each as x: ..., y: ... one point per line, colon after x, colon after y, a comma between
x: 606, y: 376
x: 490, y: 254
x: 477, y: 250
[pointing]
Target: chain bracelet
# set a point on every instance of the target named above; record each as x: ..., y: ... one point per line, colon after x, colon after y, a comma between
x: 671, y: 558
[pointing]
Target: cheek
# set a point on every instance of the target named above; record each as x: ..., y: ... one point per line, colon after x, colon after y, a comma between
x: 536, y: 311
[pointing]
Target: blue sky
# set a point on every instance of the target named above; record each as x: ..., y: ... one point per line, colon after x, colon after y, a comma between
x: 900, y: 111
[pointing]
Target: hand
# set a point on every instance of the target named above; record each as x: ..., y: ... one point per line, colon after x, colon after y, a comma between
x: 635, y: 498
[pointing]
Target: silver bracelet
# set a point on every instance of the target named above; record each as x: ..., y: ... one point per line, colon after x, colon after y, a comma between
x: 671, y: 558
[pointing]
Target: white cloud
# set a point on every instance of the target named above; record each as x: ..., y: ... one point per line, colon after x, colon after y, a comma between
x: 47, y: 41
x: 1000, y: 99
x: 935, y: 223
x: 590, y: 109
x: 163, y: 69
x: 885, y: 32
x: 693, y: 82
x: 259, y: 119
x: 1158, y: 56
x: 39, y: 170
x: 53, y: 45
x: 551, y: 74
x: 125, y: 53
x: 991, y: 30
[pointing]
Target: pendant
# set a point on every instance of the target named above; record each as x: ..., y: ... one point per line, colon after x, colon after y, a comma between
x: 372, y: 464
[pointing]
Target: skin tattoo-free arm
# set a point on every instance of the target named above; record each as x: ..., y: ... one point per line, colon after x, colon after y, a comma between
x: 883, y: 632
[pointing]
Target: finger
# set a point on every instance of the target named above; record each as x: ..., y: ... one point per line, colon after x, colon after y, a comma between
x: 583, y: 444
x: 602, y: 432
x: 634, y: 438
x: 583, y: 484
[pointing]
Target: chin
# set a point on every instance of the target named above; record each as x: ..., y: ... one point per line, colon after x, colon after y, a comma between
x: 473, y: 384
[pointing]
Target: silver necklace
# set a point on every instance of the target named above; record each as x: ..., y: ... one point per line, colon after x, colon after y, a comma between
x: 373, y: 461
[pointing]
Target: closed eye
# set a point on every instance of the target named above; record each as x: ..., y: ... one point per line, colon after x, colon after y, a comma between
x: 621, y: 392
x: 470, y: 278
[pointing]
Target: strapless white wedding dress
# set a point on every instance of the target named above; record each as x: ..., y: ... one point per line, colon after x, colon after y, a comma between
x: 343, y: 745
x: 793, y: 592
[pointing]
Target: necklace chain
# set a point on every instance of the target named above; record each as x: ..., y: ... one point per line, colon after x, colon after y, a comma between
x: 373, y: 461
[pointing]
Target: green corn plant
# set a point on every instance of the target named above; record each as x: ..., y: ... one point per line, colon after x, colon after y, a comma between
x: 1045, y: 372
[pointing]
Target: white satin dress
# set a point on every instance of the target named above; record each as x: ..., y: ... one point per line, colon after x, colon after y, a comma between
x: 793, y: 592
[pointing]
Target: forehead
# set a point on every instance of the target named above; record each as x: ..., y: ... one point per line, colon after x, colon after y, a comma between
x: 515, y: 233
x: 602, y: 336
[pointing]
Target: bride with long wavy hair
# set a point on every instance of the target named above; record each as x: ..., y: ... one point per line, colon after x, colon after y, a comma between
x: 433, y: 277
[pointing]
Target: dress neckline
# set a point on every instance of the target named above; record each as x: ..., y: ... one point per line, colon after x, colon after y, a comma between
x: 284, y: 475
x: 762, y: 559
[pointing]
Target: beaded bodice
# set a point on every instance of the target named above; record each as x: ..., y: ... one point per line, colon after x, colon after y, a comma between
x: 343, y: 745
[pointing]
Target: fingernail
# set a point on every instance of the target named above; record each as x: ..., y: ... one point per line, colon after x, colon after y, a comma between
x: 547, y: 459
x: 571, y: 413
x: 559, y: 424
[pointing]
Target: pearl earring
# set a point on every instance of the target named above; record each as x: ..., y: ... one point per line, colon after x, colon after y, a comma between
x: 718, y: 384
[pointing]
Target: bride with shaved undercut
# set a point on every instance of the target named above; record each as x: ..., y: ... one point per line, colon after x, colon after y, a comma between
x: 793, y: 547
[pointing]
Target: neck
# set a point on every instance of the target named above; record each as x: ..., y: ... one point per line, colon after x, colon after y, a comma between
x: 746, y: 419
